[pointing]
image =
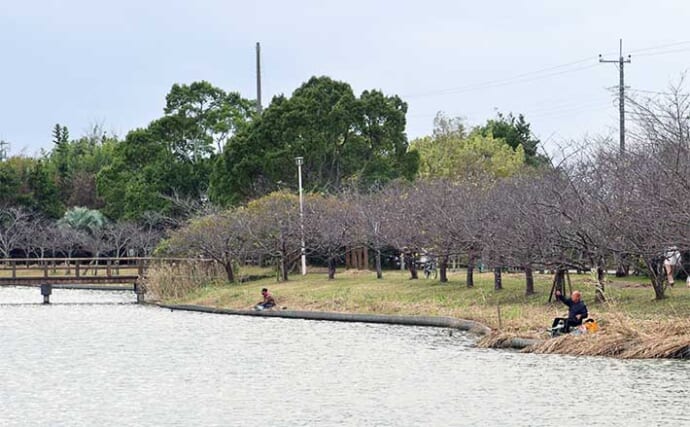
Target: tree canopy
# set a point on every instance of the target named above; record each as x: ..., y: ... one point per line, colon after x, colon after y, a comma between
x: 344, y: 139
x: 450, y: 152
x: 174, y: 154
x: 514, y: 131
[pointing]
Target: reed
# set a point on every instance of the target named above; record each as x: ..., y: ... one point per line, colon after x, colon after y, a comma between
x: 625, y: 338
x: 172, y: 282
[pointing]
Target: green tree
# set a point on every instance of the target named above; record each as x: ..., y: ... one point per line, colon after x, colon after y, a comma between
x: 60, y: 134
x: 44, y: 194
x: 132, y: 183
x: 174, y: 154
x: 203, y: 117
x: 10, y: 183
x: 73, y: 165
x: 451, y: 153
x: 515, y: 131
x: 26, y: 182
x: 343, y: 139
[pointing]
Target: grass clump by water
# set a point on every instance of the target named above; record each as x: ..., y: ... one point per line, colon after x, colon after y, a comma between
x: 179, y: 280
x: 626, y: 338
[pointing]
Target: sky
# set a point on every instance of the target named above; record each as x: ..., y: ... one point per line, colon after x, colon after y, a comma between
x: 82, y: 63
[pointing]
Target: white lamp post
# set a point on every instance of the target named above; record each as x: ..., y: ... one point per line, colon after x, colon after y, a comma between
x: 300, y: 161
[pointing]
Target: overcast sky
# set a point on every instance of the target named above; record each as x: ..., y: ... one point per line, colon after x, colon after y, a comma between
x: 85, y: 62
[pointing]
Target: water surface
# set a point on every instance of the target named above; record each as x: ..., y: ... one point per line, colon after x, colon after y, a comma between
x: 95, y: 358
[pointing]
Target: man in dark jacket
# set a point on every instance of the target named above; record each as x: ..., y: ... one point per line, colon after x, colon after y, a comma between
x: 577, y: 312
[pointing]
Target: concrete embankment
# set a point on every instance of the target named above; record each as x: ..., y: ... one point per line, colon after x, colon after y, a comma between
x: 434, y: 321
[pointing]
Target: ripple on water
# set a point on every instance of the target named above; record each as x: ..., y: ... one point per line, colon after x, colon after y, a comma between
x: 97, y: 359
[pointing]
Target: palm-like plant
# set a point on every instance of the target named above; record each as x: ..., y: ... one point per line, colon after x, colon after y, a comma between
x: 83, y: 219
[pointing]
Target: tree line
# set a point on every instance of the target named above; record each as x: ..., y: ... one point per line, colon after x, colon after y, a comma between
x: 219, y: 180
x: 80, y: 232
x: 211, y: 145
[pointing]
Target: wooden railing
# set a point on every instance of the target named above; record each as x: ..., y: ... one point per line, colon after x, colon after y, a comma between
x: 80, y: 269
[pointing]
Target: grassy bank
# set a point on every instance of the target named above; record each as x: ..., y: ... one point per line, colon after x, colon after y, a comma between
x: 631, y: 305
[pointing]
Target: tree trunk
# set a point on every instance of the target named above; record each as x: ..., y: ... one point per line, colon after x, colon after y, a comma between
x: 560, y: 280
x: 498, y: 284
x: 283, y: 267
x: 656, y: 274
x: 443, y: 269
x: 529, y: 280
x: 558, y: 283
x: 470, y: 270
x: 229, y: 271
x: 599, y: 292
x: 331, y: 268
x: 412, y: 266
x: 379, y: 271
x: 623, y: 267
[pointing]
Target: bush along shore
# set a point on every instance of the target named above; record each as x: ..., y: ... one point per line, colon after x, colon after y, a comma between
x: 633, y: 325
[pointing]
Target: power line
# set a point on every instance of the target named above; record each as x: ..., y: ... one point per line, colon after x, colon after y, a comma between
x: 568, y: 67
x: 538, y: 108
x: 547, y: 71
x: 520, y: 78
x: 652, y: 92
x: 662, y: 46
x: 664, y: 52
x: 565, y: 105
x: 573, y: 110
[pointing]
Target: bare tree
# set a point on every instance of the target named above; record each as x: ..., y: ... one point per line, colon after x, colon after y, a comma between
x: 662, y: 119
x: 220, y: 237
x: 405, y: 221
x: 444, y: 205
x: 120, y: 235
x: 331, y: 227
x: 96, y: 242
x: 377, y: 219
x: 13, y: 225
x: 273, y: 225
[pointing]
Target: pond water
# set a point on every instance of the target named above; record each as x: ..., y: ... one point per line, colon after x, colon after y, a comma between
x: 94, y: 358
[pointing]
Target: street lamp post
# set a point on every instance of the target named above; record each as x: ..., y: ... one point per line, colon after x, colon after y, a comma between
x: 300, y: 161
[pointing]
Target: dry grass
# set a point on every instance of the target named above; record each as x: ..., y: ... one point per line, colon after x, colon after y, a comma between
x: 167, y: 281
x: 626, y: 338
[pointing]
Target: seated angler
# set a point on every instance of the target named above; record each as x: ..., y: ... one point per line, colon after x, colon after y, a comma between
x: 577, y: 312
x: 267, y: 302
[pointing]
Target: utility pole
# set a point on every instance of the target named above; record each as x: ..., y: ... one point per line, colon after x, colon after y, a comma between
x: 300, y: 162
x: 621, y: 91
x: 258, y: 78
